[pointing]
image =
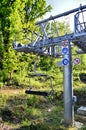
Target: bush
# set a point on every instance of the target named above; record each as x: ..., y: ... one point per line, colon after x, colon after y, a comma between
x: 1, y: 84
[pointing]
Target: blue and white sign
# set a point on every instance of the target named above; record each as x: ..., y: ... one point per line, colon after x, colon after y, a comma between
x: 65, y: 50
x: 65, y: 61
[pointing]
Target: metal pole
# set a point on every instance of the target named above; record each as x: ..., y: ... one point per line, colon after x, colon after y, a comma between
x: 60, y: 15
x: 68, y: 89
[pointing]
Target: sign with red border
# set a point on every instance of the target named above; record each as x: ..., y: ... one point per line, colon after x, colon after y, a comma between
x: 76, y: 61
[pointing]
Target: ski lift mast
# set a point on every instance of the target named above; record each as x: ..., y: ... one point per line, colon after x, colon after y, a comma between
x: 45, y: 45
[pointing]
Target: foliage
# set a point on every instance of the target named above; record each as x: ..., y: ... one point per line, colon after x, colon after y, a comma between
x: 57, y: 28
x: 33, y: 112
x: 38, y: 112
x: 17, y: 15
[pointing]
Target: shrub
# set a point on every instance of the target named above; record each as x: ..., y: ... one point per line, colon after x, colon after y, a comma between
x: 1, y: 84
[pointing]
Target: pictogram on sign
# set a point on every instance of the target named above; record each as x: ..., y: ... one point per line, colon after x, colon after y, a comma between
x: 65, y: 50
x: 65, y: 61
x: 76, y: 61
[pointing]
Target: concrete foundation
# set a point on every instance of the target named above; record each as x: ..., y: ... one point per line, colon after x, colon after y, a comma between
x: 81, y: 110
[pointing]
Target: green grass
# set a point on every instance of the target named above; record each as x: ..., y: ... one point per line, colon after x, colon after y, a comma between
x: 27, y: 112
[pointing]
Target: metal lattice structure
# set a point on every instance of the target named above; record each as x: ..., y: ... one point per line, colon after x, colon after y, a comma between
x: 45, y: 45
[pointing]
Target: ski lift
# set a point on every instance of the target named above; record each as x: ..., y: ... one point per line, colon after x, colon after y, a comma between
x: 38, y: 92
x: 43, y: 78
x: 80, y: 21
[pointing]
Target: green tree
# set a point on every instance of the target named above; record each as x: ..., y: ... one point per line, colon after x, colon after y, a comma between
x: 16, y: 15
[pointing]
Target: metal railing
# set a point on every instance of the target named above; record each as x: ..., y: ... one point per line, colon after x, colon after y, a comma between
x: 80, y: 22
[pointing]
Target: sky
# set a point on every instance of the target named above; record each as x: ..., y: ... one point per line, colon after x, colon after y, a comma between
x: 61, y: 6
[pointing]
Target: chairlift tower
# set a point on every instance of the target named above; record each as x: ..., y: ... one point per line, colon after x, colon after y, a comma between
x: 47, y: 46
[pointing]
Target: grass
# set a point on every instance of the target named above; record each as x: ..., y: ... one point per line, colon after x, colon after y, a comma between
x: 25, y: 112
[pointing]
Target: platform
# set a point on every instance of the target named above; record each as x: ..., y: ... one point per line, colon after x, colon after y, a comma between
x: 82, y: 110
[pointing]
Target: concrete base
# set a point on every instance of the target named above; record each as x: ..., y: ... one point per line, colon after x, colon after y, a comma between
x: 78, y: 125
x: 65, y: 123
x: 75, y: 124
x: 81, y: 110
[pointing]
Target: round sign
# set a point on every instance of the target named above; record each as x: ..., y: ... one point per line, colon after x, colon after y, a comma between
x: 65, y: 43
x: 65, y: 61
x: 65, y: 50
x: 76, y: 61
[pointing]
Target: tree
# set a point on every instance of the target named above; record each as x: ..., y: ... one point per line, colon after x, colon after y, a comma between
x: 16, y: 15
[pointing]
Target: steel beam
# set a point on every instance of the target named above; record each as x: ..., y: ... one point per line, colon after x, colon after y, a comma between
x: 61, y: 15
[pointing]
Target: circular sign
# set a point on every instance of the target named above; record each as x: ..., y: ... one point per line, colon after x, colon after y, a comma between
x: 76, y: 61
x: 65, y: 61
x: 65, y: 43
x: 65, y: 50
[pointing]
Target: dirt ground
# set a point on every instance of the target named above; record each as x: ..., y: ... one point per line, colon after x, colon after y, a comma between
x: 11, y: 92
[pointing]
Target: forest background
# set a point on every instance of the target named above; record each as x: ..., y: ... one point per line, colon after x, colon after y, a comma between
x: 18, y: 16
x: 19, y: 110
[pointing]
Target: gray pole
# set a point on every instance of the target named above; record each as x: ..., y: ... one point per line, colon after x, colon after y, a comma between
x: 68, y: 89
